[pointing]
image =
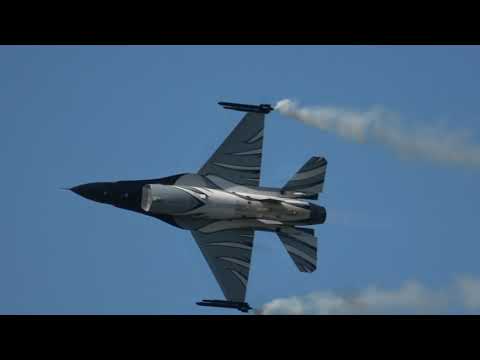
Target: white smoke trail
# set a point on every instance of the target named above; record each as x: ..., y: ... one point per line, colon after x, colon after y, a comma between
x: 382, y: 127
x: 469, y: 291
x: 411, y: 298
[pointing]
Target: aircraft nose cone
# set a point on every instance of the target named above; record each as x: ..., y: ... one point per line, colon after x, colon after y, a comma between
x: 99, y: 192
x: 82, y: 190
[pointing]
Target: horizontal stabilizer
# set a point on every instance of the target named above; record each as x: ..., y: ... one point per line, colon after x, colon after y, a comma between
x: 308, y: 181
x: 262, y: 108
x: 301, y: 245
x: 241, y: 306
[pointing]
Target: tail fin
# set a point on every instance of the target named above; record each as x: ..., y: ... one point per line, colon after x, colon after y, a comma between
x: 301, y: 245
x: 309, y: 179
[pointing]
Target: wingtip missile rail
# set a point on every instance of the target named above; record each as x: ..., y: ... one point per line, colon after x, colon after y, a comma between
x: 241, y: 306
x: 262, y: 108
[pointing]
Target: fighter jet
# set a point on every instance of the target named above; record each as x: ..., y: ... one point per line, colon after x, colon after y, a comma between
x: 222, y: 205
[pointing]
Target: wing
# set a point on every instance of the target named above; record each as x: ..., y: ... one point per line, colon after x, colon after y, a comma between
x: 228, y: 254
x: 238, y: 160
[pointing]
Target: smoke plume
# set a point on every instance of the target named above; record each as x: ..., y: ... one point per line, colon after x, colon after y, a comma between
x: 382, y: 127
x: 410, y: 298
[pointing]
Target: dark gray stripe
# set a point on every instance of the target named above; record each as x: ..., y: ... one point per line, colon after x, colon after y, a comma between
x: 307, y: 267
x: 302, y: 184
x: 301, y: 261
x: 306, y: 230
x: 258, y: 136
x: 300, y: 245
x: 313, y: 163
x: 236, y: 260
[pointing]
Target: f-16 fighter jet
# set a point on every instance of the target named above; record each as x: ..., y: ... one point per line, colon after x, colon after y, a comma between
x: 222, y: 205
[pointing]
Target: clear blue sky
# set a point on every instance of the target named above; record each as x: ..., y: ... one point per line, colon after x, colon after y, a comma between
x: 70, y: 115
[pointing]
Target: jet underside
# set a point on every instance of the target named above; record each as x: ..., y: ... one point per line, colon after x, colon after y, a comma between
x: 196, y: 203
x: 223, y: 204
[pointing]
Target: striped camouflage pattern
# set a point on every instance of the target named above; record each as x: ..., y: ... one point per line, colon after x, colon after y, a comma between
x: 239, y: 159
x: 301, y: 245
x: 223, y: 205
x: 310, y: 178
x: 228, y: 254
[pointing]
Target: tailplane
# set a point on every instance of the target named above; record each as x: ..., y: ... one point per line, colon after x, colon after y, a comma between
x: 308, y: 181
x: 301, y: 245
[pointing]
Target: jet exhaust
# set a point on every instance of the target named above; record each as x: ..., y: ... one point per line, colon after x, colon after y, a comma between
x: 382, y: 127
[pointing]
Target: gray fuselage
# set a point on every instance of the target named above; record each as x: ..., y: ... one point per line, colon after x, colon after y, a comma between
x: 206, y: 208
